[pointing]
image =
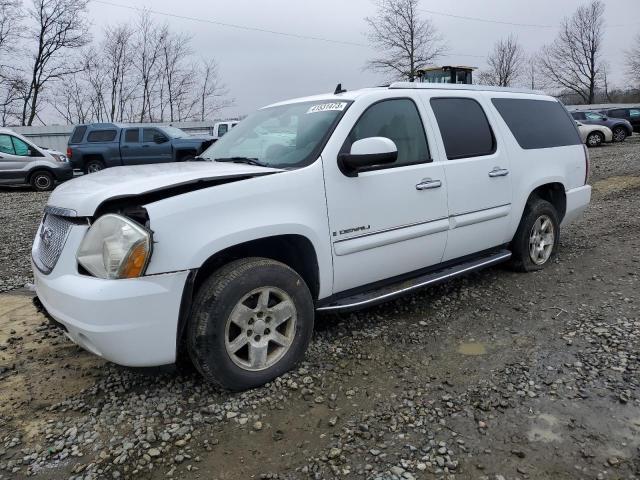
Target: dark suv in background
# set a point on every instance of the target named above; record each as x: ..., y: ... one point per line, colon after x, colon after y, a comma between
x: 620, y: 127
x: 101, y: 145
x: 631, y: 114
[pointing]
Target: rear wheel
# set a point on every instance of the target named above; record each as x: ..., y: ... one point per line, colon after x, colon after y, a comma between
x: 251, y: 322
x: 42, y: 181
x: 536, y: 241
x: 595, y: 139
x: 619, y: 134
x: 93, y: 166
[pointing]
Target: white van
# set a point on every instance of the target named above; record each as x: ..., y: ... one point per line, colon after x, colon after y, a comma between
x: 325, y: 203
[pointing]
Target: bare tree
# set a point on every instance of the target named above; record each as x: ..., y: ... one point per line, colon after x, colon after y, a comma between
x: 59, y: 28
x: 177, y: 75
x: 211, y: 92
x: 10, y: 83
x: 573, y: 60
x: 147, y: 50
x: 117, y: 62
x: 633, y: 61
x: 532, y: 76
x: 10, y: 15
x: 406, y: 41
x: 505, y: 63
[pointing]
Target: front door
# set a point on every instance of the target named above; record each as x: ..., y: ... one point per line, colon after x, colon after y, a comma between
x: 477, y: 172
x: 156, y: 146
x: 385, y: 221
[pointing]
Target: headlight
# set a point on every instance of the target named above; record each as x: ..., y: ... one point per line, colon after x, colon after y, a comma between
x: 115, y: 247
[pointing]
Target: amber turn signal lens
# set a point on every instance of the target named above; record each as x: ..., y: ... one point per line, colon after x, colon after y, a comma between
x: 134, y: 265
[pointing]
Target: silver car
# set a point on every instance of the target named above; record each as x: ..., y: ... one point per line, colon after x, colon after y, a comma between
x: 21, y: 162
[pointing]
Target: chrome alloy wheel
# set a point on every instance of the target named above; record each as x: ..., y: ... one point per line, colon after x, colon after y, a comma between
x: 541, y: 240
x: 261, y: 328
x: 94, y: 167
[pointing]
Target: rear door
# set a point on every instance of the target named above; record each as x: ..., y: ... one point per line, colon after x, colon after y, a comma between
x: 476, y: 169
x: 634, y: 118
x: 131, y: 149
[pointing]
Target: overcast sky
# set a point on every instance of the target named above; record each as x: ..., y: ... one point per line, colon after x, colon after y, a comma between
x: 261, y: 68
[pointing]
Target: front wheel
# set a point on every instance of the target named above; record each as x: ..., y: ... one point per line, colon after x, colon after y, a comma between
x: 536, y: 241
x: 251, y: 322
x: 595, y: 139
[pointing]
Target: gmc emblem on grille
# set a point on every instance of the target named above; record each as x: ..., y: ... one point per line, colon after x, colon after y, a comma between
x: 45, y: 235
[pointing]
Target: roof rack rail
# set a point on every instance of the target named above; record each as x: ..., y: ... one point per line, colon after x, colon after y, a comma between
x: 456, y: 86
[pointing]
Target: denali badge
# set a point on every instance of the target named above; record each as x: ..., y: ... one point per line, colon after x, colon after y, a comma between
x: 352, y: 230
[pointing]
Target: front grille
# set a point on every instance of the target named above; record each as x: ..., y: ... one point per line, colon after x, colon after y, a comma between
x: 50, y: 240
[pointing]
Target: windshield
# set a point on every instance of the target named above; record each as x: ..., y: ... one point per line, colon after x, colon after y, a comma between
x: 174, y: 132
x: 286, y: 136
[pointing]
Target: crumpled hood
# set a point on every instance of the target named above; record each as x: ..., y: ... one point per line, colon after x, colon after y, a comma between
x: 84, y: 194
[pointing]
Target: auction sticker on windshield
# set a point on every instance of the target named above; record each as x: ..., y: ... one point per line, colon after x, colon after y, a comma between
x: 327, y: 107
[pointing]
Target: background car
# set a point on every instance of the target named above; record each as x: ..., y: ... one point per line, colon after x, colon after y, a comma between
x: 620, y: 127
x: 100, y: 145
x: 594, y: 135
x: 631, y: 114
x: 21, y: 162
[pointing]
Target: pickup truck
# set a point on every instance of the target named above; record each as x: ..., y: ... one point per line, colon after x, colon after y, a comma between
x: 326, y: 203
x: 100, y: 145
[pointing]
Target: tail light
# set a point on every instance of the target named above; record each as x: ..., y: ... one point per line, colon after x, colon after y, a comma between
x: 586, y: 164
x: 68, y: 152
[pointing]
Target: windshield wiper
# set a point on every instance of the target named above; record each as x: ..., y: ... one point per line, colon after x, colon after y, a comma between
x: 247, y: 160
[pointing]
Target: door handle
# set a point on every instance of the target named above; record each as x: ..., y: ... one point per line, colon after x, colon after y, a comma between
x: 428, y: 183
x: 498, y: 172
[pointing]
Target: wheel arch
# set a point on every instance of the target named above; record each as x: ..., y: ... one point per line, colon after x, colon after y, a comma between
x: 554, y: 193
x: 294, y: 250
x: 38, y: 169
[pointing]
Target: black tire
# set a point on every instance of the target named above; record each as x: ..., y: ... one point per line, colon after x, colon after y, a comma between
x: 42, y: 181
x: 521, y: 258
x: 619, y: 134
x: 92, y: 166
x: 595, y: 139
x: 214, y: 303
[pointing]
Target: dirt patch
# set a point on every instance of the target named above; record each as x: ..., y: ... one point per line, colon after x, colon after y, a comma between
x: 616, y: 184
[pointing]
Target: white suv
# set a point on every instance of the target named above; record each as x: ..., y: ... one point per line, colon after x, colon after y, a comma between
x: 331, y: 202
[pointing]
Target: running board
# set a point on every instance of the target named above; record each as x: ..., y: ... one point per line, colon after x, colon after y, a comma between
x: 389, y: 292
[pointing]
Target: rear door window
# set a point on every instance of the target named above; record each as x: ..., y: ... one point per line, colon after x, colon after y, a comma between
x: 101, y: 136
x: 464, y: 127
x: 618, y: 113
x: 78, y: 134
x: 132, y: 135
x: 537, y: 123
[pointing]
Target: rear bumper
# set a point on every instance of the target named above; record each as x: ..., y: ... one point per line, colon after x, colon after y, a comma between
x: 577, y: 202
x: 132, y: 322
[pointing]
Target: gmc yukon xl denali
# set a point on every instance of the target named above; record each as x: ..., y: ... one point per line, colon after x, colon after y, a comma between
x: 325, y: 203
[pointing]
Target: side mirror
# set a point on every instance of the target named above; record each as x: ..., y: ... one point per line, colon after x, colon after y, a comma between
x: 159, y: 138
x: 605, y: 118
x: 368, y: 152
x: 578, y: 124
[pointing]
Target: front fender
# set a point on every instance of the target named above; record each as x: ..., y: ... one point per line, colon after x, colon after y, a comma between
x: 190, y: 228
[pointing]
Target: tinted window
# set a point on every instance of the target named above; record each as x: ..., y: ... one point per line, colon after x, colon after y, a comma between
x: 132, y: 135
x: 397, y: 120
x: 618, y: 113
x: 6, y: 146
x: 537, y: 123
x: 222, y: 129
x: 149, y: 134
x: 20, y: 147
x: 578, y: 115
x: 78, y: 134
x: 464, y: 127
x: 634, y: 112
x: 101, y: 136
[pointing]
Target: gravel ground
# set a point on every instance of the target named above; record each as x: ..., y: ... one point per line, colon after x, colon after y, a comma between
x: 495, y: 376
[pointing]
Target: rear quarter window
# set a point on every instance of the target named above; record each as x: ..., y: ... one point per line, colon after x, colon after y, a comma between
x: 537, y: 123
x: 78, y: 134
x: 102, y: 136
